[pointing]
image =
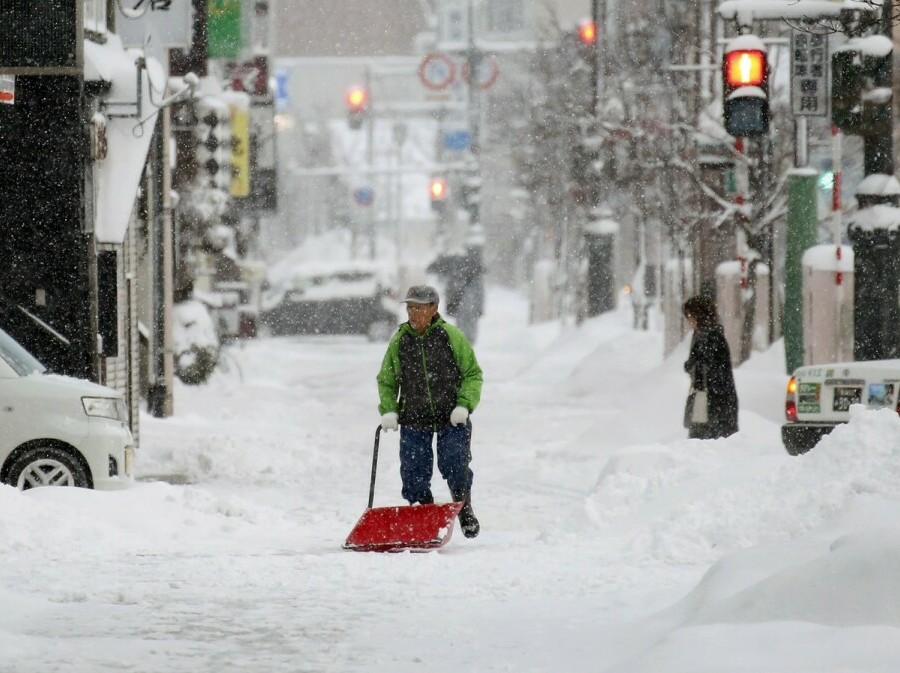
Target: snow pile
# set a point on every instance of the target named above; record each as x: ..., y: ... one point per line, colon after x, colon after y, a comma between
x: 695, y: 500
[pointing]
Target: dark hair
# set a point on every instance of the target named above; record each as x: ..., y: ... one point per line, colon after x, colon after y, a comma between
x: 703, y: 310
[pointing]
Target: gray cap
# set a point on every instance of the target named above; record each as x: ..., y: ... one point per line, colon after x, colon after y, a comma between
x: 421, y: 294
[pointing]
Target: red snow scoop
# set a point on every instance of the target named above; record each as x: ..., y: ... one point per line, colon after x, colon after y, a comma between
x: 412, y: 527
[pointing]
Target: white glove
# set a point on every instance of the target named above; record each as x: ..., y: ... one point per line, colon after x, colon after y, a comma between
x: 459, y: 415
x: 389, y: 421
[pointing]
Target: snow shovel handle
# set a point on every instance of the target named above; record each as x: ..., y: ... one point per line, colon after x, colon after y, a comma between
x: 374, y: 466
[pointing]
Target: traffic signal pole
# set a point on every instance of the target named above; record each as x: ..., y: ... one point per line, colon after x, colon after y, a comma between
x: 877, y: 248
x: 370, y: 162
x: 598, y: 17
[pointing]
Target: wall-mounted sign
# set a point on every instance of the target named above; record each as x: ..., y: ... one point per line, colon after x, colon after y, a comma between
x: 240, y: 151
x: 164, y: 24
x: 224, y: 28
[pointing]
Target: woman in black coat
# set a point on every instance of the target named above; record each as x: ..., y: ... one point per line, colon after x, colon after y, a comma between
x: 709, y: 366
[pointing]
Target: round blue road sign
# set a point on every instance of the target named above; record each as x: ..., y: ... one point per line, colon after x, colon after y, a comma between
x: 364, y: 196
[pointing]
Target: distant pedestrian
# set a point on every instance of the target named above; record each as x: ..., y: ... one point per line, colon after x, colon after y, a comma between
x: 429, y: 383
x: 465, y: 287
x: 712, y: 379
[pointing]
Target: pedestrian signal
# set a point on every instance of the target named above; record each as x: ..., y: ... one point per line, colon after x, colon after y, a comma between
x: 745, y: 70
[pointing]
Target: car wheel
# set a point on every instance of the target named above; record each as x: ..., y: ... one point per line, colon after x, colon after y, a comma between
x: 47, y: 466
x: 380, y: 331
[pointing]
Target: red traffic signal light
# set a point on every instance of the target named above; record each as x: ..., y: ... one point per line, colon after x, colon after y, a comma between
x: 587, y: 33
x: 745, y: 72
x: 437, y: 189
x: 357, y: 99
x: 745, y: 67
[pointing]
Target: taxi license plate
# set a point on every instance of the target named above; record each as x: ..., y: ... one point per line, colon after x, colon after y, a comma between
x: 129, y: 460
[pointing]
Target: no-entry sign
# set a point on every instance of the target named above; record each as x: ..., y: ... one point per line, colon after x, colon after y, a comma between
x: 437, y: 71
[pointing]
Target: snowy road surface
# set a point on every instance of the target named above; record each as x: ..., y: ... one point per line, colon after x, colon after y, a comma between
x: 609, y: 542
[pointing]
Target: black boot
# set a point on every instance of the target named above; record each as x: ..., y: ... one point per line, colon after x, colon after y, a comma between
x: 467, y: 520
x: 426, y: 499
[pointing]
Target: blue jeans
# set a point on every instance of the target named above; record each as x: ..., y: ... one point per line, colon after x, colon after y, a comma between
x: 417, y: 460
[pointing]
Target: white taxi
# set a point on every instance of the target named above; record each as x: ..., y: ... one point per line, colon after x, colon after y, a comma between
x: 59, y: 430
x: 819, y: 398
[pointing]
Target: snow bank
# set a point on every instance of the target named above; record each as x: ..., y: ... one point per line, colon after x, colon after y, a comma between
x: 852, y: 583
x: 685, y: 501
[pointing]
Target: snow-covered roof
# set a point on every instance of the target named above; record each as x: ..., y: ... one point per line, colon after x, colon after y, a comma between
x: 128, y: 142
x: 829, y: 258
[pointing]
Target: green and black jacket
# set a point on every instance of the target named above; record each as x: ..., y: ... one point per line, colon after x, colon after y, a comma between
x: 424, y: 376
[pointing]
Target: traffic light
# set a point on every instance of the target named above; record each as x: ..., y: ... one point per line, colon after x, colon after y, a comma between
x: 470, y: 193
x: 856, y: 76
x: 438, y: 192
x: 584, y: 173
x: 587, y: 33
x: 585, y: 39
x: 846, y: 90
x: 745, y: 69
x: 357, y: 100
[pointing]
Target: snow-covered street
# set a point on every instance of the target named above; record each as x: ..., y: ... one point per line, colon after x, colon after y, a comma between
x: 609, y: 542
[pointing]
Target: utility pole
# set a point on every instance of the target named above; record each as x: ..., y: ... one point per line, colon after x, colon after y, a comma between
x: 473, y: 63
x: 600, y: 231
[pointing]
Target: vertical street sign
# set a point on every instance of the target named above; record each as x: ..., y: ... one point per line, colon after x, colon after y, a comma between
x: 240, y: 151
x: 809, y: 74
x: 224, y: 26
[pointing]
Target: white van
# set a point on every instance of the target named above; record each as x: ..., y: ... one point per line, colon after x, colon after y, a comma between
x: 819, y: 398
x: 58, y: 430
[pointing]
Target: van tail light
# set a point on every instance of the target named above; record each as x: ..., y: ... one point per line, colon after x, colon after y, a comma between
x: 790, y: 411
x: 790, y: 404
